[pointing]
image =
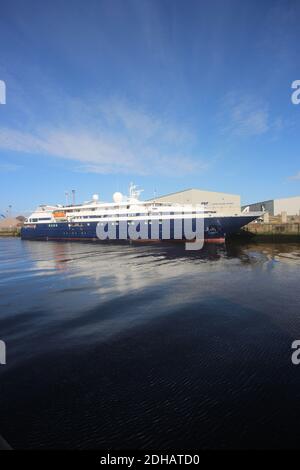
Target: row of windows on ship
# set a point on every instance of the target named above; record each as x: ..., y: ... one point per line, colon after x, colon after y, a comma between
x: 102, y: 223
x: 43, y: 219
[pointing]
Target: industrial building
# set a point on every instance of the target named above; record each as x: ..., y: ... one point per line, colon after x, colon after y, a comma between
x: 221, y: 202
x: 289, y: 205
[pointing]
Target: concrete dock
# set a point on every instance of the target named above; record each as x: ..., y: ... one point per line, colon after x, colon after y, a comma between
x: 11, y: 226
x: 280, y: 228
x: 13, y: 232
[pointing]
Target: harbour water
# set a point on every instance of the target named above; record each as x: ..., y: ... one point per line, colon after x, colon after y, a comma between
x: 150, y: 347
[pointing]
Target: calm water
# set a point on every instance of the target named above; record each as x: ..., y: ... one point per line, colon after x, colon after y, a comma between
x: 149, y: 346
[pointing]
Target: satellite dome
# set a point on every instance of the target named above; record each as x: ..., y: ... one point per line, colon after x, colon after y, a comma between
x: 118, y: 197
x: 96, y: 197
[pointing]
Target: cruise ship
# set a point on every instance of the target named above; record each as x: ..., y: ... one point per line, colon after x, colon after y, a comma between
x: 130, y: 219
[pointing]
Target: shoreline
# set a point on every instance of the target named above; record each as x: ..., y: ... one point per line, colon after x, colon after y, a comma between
x: 244, y: 236
x: 16, y: 232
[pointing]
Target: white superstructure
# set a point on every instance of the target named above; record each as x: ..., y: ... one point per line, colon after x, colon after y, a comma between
x: 129, y: 207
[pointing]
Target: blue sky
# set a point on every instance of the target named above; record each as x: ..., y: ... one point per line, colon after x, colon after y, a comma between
x: 168, y: 94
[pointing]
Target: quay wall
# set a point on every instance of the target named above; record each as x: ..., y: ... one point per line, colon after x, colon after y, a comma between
x: 10, y: 232
x: 274, y: 231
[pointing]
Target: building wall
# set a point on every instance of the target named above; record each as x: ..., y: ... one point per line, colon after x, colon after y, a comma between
x: 268, y: 206
x: 291, y: 205
x: 224, y: 202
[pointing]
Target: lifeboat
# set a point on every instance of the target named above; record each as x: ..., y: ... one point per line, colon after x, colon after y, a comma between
x: 59, y: 214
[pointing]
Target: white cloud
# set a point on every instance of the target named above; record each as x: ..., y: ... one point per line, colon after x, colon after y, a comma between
x: 244, y: 116
x: 81, y: 146
x: 295, y: 177
x: 145, y: 125
x: 8, y: 167
x: 110, y: 137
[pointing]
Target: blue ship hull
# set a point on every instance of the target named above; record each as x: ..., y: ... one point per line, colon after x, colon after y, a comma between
x: 214, y: 229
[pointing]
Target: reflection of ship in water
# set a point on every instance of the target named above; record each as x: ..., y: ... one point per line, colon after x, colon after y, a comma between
x: 60, y: 256
x: 284, y: 252
x: 53, y: 259
x: 128, y: 267
x: 98, y: 283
